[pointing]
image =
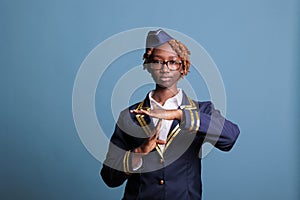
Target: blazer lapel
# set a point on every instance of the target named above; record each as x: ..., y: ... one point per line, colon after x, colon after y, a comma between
x: 145, y: 121
x: 187, y: 102
x: 175, y: 129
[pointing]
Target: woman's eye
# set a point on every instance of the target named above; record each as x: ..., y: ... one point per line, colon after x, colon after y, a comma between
x: 157, y: 61
x: 173, y: 62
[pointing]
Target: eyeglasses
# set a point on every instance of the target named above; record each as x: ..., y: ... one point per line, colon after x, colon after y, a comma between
x: 172, y: 65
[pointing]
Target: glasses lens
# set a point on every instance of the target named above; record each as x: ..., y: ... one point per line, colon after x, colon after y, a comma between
x: 174, y: 65
x: 156, y: 64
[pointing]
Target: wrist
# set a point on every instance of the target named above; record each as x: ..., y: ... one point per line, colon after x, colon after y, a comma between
x: 138, y: 152
x: 136, y: 159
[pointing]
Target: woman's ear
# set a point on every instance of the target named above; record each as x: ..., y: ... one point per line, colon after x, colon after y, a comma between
x: 182, y: 73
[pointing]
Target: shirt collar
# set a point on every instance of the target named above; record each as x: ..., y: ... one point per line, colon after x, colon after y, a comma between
x: 176, y: 100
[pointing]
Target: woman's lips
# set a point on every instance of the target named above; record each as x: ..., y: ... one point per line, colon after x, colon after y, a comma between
x: 165, y: 78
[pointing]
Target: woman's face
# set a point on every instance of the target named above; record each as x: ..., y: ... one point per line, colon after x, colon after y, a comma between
x: 165, y: 77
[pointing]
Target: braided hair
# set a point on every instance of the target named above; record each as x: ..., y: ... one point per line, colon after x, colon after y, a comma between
x: 181, y: 50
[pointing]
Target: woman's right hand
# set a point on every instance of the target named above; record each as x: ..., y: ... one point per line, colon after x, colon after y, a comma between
x: 148, y: 145
x: 151, y: 142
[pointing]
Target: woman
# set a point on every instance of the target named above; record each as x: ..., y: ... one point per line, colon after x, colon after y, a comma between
x: 156, y: 142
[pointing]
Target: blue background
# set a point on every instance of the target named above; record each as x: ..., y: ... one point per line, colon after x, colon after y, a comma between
x: 255, y: 45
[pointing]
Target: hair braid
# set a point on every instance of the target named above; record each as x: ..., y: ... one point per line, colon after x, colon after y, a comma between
x: 183, y: 53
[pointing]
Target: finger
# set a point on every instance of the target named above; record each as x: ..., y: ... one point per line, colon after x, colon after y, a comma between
x: 146, y: 112
x: 140, y: 112
x: 156, y: 131
x: 158, y: 125
x: 160, y: 142
x: 135, y: 111
x: 157, y: 128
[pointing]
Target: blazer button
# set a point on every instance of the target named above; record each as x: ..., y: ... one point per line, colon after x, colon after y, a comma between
x: 161, y: 182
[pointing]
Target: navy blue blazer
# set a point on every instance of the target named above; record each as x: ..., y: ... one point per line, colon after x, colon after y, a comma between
x: 175, y: 172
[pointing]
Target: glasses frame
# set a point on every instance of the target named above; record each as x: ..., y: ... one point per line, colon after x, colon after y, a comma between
x: 162, y: 63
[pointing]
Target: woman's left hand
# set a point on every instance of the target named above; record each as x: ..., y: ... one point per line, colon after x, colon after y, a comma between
x: 160, y: 113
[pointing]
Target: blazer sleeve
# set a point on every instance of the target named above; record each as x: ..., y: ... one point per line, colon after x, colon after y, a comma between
x: 116, y: 167
x: 209, y: 122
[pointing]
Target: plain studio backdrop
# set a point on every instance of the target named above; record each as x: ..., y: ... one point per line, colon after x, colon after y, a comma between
x: 255, y: 45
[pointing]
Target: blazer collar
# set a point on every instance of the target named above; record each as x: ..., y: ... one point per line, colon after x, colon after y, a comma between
x: 187, y: 102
